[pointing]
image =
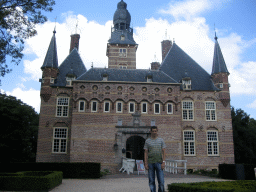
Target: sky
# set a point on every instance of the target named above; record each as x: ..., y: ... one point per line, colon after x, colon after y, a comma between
x: 190, y: 23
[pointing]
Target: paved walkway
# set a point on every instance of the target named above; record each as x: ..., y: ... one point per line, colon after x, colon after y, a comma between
x: 125, y: 183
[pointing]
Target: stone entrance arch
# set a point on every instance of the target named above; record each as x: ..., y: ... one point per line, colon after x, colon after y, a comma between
x: 134, y: 147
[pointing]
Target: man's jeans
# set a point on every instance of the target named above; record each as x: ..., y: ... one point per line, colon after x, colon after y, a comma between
x: 152, y: 168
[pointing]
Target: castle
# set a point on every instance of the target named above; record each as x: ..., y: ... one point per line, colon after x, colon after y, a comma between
x: 104, y: 114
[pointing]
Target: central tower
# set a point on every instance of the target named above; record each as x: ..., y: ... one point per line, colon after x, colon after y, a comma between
x: 121, y: 47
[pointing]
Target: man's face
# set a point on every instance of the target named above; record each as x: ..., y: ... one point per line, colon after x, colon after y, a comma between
x: 154, y: 132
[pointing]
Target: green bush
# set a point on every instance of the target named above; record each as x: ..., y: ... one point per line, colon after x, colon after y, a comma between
x: 226, y: 186
x: 31, y: 181
x: 70, y: 170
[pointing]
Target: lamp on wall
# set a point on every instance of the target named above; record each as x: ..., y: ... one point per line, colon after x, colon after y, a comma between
x: 115, y: 146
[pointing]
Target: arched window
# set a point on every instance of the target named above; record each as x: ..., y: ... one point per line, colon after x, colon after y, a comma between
x: 210, y: 111
x: 189, y: 142
x: 212, y: 143
x: 187, y: 110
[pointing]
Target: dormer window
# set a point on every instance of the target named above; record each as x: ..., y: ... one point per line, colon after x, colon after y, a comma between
x: 105, y: 77
x: 69, y: 81
x: 122, y: 37
x: 221, y: 85
x: 149, y: 78
x: 122, y: 52
x: 186, y: 83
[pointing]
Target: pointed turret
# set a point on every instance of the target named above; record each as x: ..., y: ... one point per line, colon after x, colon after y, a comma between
x: 220, y: 74
x: 51, y: 58
x: 219, y: 65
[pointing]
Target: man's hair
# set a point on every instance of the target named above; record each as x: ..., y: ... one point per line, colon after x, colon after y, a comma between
x: 153, y: 127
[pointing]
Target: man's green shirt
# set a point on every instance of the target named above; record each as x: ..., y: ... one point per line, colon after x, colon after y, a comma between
x: 154, y: 147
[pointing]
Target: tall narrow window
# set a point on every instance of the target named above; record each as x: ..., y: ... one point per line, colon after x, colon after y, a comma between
x: 94, y: 106
x: 212, y: 143
x: 187, y: 110
x: 60, y: 140
x: 157, y: 108
x: 169, y: 108
x: 62, y: 106
x: 106, y: 106
x: 210, y: 111
x: 189, y: 142
x: 131, y: 107
x: 144, y: 107
x: 81, y: 106
x: 119, y: 107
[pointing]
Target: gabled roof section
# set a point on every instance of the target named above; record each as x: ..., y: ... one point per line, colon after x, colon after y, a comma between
x: 179, y: 65
x: 72, y: 65
x: 51, y: 58
x: 219, y: 65
x: 126, y: 75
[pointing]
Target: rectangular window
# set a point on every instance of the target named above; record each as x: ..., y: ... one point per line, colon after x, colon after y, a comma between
x: 81, y: 106
x: 62, y: 106
x: 186, y: 84
x: 169, y: 108
x: 157, y: 108
x: 187, y: 111
x: 144, y: 108
x: 122, y: 52
x: 94, y: 106
x: 212, y: 143
x: 119, y: 107
x: 210, y: 111
x: 60, y: 140
x: 189, y: 142
x: 131, y: 107
x: 52, y: 81
x: 106, y: 106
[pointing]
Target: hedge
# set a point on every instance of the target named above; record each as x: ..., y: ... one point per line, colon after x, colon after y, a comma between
x: 39, y: 180
x: 226, y: 186
x: 70, y: 170
x: 237, y: 171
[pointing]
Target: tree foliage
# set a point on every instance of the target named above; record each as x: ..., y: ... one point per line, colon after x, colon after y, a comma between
x: 244, y: 132
x: 17, y: 23
x: 19, y: 127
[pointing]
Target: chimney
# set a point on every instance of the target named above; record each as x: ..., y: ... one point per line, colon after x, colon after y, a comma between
x: 74, y: 42
x: 166, y: 46
x: 155, y: 65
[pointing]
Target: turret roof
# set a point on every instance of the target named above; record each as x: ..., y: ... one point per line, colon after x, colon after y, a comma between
x: 51, y: 58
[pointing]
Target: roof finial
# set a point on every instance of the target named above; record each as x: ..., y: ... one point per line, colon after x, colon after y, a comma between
x: 92, y: 65
x: 76, y: 25
x: 215, y: 33
x: 55, y: 25
x: 173, y: 40
x: 165, y: 34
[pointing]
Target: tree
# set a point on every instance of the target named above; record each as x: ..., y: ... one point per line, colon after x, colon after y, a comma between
x: 18, y: 138
x: 244, y: 132
x: 18, y: 19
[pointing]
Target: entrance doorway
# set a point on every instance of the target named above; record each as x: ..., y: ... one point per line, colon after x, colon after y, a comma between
x: 134, y: 147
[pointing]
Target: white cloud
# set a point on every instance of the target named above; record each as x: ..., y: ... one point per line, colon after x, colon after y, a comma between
x: 252, y: 105
x: 30, y: 97
x: 187, y: 9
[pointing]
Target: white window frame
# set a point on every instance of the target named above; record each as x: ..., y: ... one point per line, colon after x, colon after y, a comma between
x: 59, y: 140
x: 144, y: 103
x: 189, y: 143
x: 52, y: 81
x: 155, y: 108
x: 221, y: 85
x: 210, y: 111
x: 187, y: 111
x: 171, y: 108
x: 69, y: 81
x: 131, y: 103
x: 122, y: 53
x: 117, y: 103
x: 212, y: 143
x: 94, y: 111
x: 105, y: 102
x: 62, y: 109
x: 186, y: 84
x: 79, y: 109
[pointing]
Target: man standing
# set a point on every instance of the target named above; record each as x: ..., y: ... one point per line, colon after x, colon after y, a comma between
x: 154, y: 157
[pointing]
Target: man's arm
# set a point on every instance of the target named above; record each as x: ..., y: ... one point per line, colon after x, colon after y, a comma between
x: 146, y: 158
x: 163, y: 156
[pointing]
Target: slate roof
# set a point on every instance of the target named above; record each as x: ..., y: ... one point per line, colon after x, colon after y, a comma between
x: 72, y: 65
x: 51, y: 58
x: 178, y: 65
x: 126, y: 75
x: 122, y: 15
x: 219, y: 65
x: 116, y: 37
